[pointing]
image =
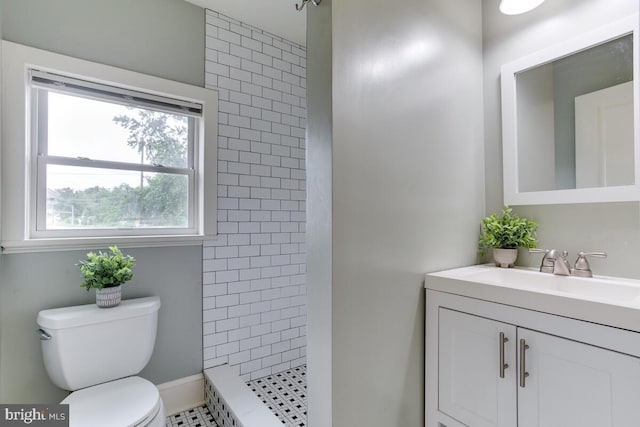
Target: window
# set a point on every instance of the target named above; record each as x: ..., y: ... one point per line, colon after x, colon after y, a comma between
x: 109, y: 159
x: 111, y: 155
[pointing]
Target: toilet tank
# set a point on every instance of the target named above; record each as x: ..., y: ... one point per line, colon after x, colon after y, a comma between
x: 91, y: 345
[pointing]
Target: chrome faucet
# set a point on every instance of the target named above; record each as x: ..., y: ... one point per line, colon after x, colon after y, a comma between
x: 582, y: 268
x: 561, y: 265
x: 553, y: 261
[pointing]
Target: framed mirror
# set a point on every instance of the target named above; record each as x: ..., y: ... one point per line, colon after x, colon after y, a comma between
x: 570, y: 120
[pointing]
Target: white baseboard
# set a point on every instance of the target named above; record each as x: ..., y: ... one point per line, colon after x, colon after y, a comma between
x: 182, y: 394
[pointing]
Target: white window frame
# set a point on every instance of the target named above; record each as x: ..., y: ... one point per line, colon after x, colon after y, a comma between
x: 18, y: 184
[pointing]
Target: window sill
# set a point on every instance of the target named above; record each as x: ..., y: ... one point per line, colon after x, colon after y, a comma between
x: 90, y: 243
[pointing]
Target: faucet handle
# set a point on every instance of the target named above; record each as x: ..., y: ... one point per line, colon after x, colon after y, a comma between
x: 594, y: 254
x: 538, y: 250
x: 546, y: 266
x: 581, y: 267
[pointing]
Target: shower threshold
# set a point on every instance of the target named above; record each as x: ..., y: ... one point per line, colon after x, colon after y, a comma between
x: 272, y: 401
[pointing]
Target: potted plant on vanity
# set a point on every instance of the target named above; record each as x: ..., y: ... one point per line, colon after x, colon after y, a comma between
x: 106, y: 272
x: 504, y: 234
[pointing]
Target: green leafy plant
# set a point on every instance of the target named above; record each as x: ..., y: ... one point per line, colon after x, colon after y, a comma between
x: 106, y: 270
x: 507, y: 231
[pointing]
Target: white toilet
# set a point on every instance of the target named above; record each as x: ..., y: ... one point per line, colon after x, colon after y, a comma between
x: 94, y: 352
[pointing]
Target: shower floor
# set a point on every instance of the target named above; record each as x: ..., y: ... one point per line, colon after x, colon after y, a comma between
x: 195, y: 417
x: 285, y: 393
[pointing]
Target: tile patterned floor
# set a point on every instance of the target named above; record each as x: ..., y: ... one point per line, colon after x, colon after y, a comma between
x: 195, y: 417
x: 285, y: 393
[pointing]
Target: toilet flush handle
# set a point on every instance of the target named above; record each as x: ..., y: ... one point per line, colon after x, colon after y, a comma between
x: 44, y: 335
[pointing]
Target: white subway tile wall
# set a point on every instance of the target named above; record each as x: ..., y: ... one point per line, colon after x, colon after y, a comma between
x: 254, y: 272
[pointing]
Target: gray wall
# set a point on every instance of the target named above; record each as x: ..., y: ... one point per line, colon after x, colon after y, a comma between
x: 407, y: 194
x: 319, y: 208
x: 163, y: 38
x: 33, y: 282
x: 1, y: 286
x: 612, y: 227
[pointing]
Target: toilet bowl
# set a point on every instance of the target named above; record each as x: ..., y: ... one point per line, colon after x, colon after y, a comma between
x: 96, y: 353
x: 131, y: 401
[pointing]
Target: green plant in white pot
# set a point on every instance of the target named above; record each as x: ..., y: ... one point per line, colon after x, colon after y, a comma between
x: 504, y: 234
x: 106, y: 272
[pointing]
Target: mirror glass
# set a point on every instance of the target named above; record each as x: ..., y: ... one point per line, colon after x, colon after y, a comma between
x: 570, y: 119
x: 575, y: 120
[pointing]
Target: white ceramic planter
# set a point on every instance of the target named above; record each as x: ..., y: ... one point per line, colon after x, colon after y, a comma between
x: 108, y: 297
x: 505, y: 257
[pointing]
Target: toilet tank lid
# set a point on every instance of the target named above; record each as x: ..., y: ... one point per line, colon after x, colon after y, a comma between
x: 80, y: 315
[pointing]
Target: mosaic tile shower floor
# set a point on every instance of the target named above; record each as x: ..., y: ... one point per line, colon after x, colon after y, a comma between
x: 285, y: 393
x: 195, y: 417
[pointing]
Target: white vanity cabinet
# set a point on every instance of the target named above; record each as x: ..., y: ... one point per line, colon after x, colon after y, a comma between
x: 472, y: 385
x: 575, y: 384
x: 490, y: 364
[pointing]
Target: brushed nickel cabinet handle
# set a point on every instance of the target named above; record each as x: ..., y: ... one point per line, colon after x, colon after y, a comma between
x: 503, y: 365
x: 523, y: 362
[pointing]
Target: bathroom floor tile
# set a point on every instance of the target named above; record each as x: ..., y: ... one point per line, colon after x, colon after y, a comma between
x: 285, y: 393
x: 195, y: 417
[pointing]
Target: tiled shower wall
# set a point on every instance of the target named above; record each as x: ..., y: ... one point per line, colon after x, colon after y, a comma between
x: 254, y: 273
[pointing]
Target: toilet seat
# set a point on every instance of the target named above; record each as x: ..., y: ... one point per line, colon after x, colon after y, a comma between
x: 127, y: 402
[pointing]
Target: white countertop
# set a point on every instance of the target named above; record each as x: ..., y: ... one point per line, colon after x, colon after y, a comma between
x: 608, y: 301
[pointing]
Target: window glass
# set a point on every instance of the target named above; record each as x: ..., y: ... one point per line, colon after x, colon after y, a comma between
x: 105, y: 162
x: 99, y: 130
x: 79, y: 197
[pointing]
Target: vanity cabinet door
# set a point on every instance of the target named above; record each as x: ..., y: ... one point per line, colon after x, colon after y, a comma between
x: 473, y: 389
x: 575, y: 384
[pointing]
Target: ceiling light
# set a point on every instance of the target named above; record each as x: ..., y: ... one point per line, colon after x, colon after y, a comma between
x: 515, y: 7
